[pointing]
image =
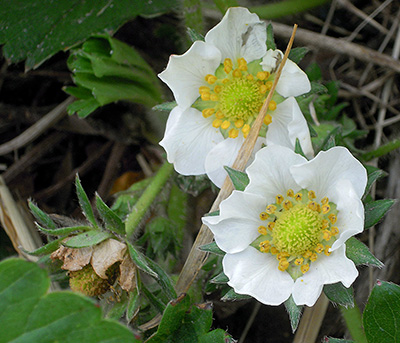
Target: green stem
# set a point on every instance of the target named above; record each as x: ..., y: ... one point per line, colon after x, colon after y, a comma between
x: 352, y: 317
x: 147, y: 198
x: 284, y: 8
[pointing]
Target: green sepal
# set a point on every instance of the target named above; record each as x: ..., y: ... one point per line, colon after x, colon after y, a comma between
x: 239, y: 179
x: 87, y: 239
x: 140, y: 261
x: 212, y: 248
x: 165, y: 106
x: 85, y: 203
x: 374, y: 174
x: 46, y: 249
x: 42, y: 217
x: 375, y: 210
x: 212, y: 214
x: 270, y: 38
x: 294, y: 312
x: 221, y: 278
x: 339, y: 294
x: 63, y: 231
x: 194, y: 35
x: 231, y: 295
x: 359, y: 253
x: 110, y: 218
x: 298, y: 149
x: 297, y: 54
x: 381, y: 318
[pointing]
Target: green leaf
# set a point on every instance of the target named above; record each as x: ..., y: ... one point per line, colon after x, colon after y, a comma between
x: 239, y: 179
x: 359, y: 253
x: 297, y: 54
x: 194, y: 35
x: 31, y: 315
x: 382, y: 150
x: 85, y: 203
x: 298, y: 149
x: 87, y: 239
x: 140, y: 261
x: 165, y: 106
x: 294, y: 312
x: 154, y: 300
x: 133, y: 305
x: 375, y: 210
x: 110, y: 218
x: 212, y: 248
x: 381, y: 315
x: 231, y: 295
x: 36, y: 30
x: 42, y: 217
x: 64, y: 231
x: 215, y: 336
x: 374, y: 174
x: 221, y: 278
x: 48, y: 248
x: 270, y: 38
x: 339, y: 294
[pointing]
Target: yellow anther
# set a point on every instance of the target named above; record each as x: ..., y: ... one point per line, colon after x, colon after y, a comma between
x: 218, y: 89
x: 241, y: 61
x: 319, y: 248
x: 271, y: 209
x: 271, y: 226
x: 204, y: 89
x: 264, y: 215
x: 299, y: 261
x: 304, y: 268
x: 334, y: 230
x: 324, y: 200
x: 307, y: 254
x: 327, y: 235
x: 311, y: 195
x: 290, y: 193
x: 287, y: 205
x: 214, y: 97
x: 228, y: 62
x: 219, y: 115
x: 326, y: 208
x: 225, y: 124
x: 264, y: 246
x: 208, y: 112
x: 312, y: 205
x: 243, y: 67
x: 272, y: 105
x: 225, y: 81
x: 267, y: 119
x: 262, y: 230
x: 274, y: 251
x: 269, y: 84
x: 237, y: 73
x: 217, y: 123
x: 233, y: 133
x: 210, y: 79
x: 250, y: 77
x: 325, y: 224
x: 279, y: 199
x: 205, y: 96
x: 262, y: 75
x: 313, y: 257
x: 332, y: 217
x: 239, y: 123
x: 263, y: 89
x: 298, y: 196
x: 246, y: 128
x: 227, y: 69
x: 327, y: 252
x: 283, y: 265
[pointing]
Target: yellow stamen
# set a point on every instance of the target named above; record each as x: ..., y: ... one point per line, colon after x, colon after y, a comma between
x: 267, y: 119
x: 272, y: 105
x: 250, y: 77
x: 325, y: 224
x: 320, y: 248
x: 326, y: 208
x: 298, y: 196
x: 263, y: 89
x: 313, y: 257
x: 271, y: 226
x: 219, y: 115
x: 208, y: 112
x: 298, y: 261
x: 269, y: 84
x: 218, y: 89
x: 264, y: 246
x: 327, y: 252
x: 279, y: 199
x: 210, y: 79
x: 307, y: 254
x: 246, y: 128
x: 239, y: 123
x: 233, y: 133
x: 214, y: 97
x: 332, y: 217
x: 204, y: 89
x: 271, y: 209
x: 327, y: 235
x: 274, y: 251
x: 287, y: 205
x: 217, y: 123
x: 264, y: 215
x: 225, y: 124
x: 225, y: 81
x: 290, y: 193
x: 262, y: 230
x: 283, y: 265
x: 334, y: 231
x: 205, y: 96
x: 304, y: 268
x: 262, y: 75
x: 311, y: 195
x: 324, y: 200
x: 312, y: 205
x: 237, y: 73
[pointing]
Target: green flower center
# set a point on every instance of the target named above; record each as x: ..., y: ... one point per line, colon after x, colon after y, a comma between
x: 234, y: 96
x: 297, y: 229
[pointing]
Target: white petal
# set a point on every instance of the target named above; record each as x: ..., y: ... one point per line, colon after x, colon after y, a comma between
x: 326, y: 270
x: 236, y: 226
x: 223, y: 154
x: 350, y: 219
x: 269, y: 173
x: 254, y: 273
x: 239, y: 34
x: 185, y: 73
x: 173, y: 118
x: 327, y: 168
x: 270, y: 60
x: 189, y: 140
x: 293, y: 81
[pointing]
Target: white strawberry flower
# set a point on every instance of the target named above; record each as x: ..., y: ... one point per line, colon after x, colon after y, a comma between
x: 219, y: 86
x: 285, y: 233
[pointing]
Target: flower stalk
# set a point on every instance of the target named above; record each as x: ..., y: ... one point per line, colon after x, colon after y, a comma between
x: 147, y: 198
x: 353, y: 320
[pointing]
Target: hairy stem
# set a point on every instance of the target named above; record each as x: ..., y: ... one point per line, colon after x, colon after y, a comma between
x: 352, y: 317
